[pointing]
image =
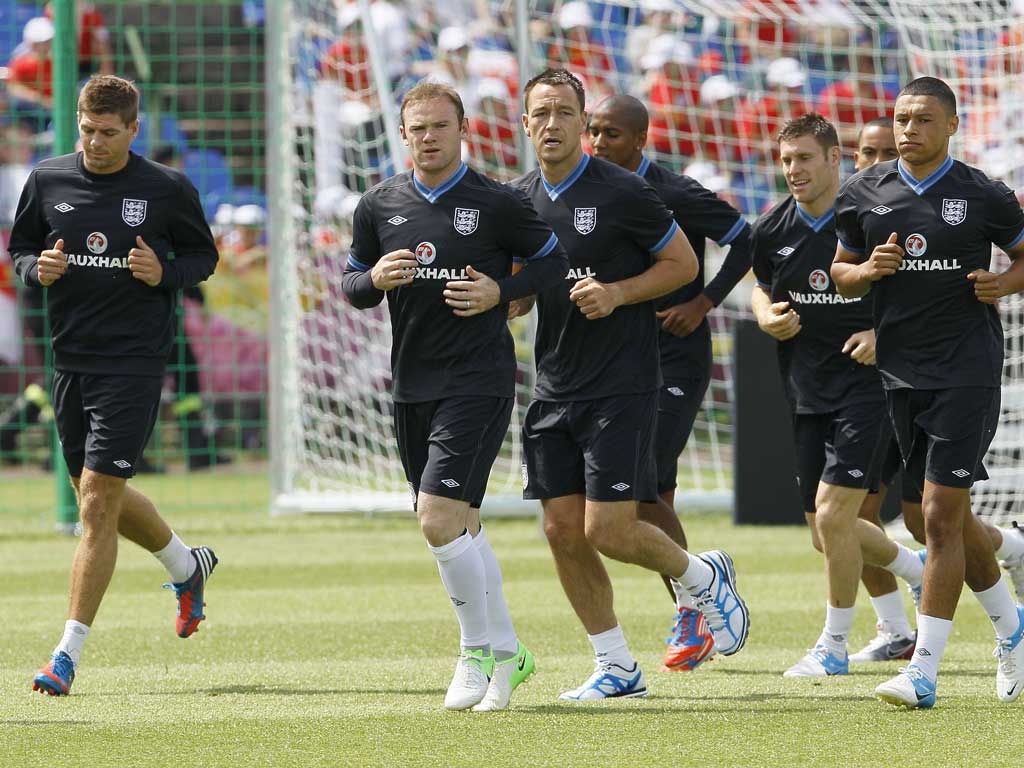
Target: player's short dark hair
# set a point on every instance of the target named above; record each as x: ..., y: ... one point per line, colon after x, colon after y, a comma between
x: 811, y: 124
x: 630, y: 109
x: 932, y: 86
x: 425, y: 90
x: 560, y: 76
x: 110, y: 95
x: 878, y: 122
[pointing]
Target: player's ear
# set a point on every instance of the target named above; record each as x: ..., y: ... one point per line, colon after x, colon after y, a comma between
x: 401, y: 132
x: 464, y: 128
x: 526, y: 124
x: 954, y: 124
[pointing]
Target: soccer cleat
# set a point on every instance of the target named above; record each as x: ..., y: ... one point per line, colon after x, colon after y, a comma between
x: 690, y: 644
x: 471, y: 679
x: 56, y: 677
x: 886, y: 646
x: 609, y: 681
x: 723, y: 608
x: 190, y: 592
x: 910, y: 689
x: 1015, y: 568
x: 819, y: 662
x: 508, y: 675
x: 1010, y: 670
x: 915, y: 592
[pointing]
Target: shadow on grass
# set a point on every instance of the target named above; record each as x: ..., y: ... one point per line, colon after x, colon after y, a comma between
x: 274, y: 690
x: 35, y: 723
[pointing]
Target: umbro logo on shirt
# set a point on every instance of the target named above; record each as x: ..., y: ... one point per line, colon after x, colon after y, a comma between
x: 785, y: 251
x: 396, y: 220
x: 675, y: 391
x: 64, y: 207
x: 881, y: 210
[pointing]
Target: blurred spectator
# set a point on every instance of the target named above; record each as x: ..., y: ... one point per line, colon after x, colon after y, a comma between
x: 862, y: 97
x: 30, y: 74
x: 240, y: 291
x: 719, y: 98
x: 93, y: 40
x: 759, y: 120
x: 672, y: 91
x: 575, y: 48
x: 492, y: 131
x: 392, y: 31
x: 451, y: 65
x: 765, y: 30
x: 659, y: 17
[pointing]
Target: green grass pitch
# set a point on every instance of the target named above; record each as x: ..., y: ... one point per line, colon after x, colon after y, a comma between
x: 330, y: 642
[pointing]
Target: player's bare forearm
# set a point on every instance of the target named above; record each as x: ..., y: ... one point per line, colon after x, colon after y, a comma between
x: 675, y: 265
x: 848, y: 280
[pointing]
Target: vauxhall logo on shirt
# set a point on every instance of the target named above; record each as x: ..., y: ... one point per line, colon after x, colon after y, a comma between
x: 916, y: 246
x: 426, y: 252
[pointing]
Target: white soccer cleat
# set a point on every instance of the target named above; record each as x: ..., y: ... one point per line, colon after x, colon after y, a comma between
x: 1010, y: 669
x: 819, y: 662
x: 609, y: 681
x: 909, y: 689
x: 508, y: 675
x: 722, y: 606
x: 471, y: 680
x: 1015, y: 567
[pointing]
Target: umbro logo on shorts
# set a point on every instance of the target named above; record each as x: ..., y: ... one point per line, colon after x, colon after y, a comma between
x: 881, y: 210
x: 675, y: 391
x: 122, y: 464
x: 855, y: 473
x: 450, y: 483
x: 396, y: 220
x: 620, y: 487
x: 64, y: 207
x: 961, y: 472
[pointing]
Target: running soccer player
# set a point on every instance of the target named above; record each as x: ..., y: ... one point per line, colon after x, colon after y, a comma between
x: 95, y: 229
x: 440, y: 243
x: 826, y: 356
x: 920, y: 232
x: 588, y: 436
x: 618, y: 132
x: 877, y: 144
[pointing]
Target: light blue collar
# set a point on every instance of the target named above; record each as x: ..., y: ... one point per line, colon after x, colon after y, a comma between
x: 433, y: 194
x: 568, y: 181
x: 645, y: 164
x: 816, y: 223
x: 920, y: 187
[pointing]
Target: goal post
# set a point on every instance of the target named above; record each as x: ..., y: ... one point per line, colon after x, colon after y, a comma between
x: 719, y: 78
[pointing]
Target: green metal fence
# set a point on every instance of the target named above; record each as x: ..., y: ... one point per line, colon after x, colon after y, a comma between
x: 200, y: 68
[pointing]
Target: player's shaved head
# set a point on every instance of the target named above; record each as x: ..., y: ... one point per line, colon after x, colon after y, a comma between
x: 878, y: 122
x: 627, y: 111
x: 932, y: 86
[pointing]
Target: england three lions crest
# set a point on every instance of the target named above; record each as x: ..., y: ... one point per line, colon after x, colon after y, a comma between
x: 585, y: 220
x: 466, y: 220
x: 133, y: 212
x: 954, y: 211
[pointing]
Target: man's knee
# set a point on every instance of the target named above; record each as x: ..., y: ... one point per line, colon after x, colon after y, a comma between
x: 441, y: 520
x: 609, y: 528
x: 943, y: 518
x: 563, y: 523
x: 99, y: 500
x: 836, y: 509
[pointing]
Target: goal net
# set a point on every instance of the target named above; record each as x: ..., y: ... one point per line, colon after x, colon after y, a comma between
x: 719, y: 79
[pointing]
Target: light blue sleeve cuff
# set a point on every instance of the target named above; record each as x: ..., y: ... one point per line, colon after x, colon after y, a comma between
x: 855, y: 251
x: 356, y: 264
x: 668, y: 237
x: 732, y: 233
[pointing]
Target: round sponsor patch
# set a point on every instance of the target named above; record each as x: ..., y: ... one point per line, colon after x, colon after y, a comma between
x: 426, y: 253
x: 818, y: 280
x: 916, y: 245
x: 96, y: 242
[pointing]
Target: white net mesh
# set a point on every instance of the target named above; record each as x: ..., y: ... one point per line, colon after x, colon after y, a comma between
x: 719, y: 79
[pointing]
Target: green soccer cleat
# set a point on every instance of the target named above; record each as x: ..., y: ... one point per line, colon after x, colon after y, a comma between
x: 508, y: 675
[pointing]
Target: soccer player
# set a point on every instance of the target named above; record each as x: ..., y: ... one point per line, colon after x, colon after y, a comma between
x: 876, y: 143
x: 95, y: 229
x: 919, y: 231
x: 440, y: 242
x: 618, y: 132
x: 588, y: 436
x: 826, y: 356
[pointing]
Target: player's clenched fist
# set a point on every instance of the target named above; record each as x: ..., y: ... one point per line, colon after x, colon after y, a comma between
x: 144, y: 263
x: 595, y: 299
x: 988, y: 288
x: 780, y: 321
x: 52, y: 264
x: 885, y: 260
x: 394, y: 269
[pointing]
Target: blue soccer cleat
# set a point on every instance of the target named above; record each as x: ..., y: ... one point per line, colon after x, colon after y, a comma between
x: 915, y: 592
x: 1010, y: 656
x: 722, y: 606
x: 56, y: 677
x: 819, y: 662
x: 609, y: 681
x: 909, y: 689
x: 190, y: 592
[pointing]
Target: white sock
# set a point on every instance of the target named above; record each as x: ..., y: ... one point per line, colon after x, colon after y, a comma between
x: 683, y: 598
x: 838, y: 623
x: 462, y: 573
x: 71, y: 643
x: 907, y: 566
x: 499, y: 623
x: 177, y: 559
x: 891, y: 614
x: 611, y: 646
x: 698, y: 575
x: 1001, y: 610
x: 1012, y: 546
x: 932, y: 636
